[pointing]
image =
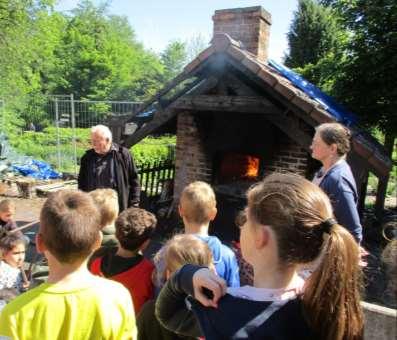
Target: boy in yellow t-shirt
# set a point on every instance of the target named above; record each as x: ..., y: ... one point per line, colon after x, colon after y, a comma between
x: 73, y: 304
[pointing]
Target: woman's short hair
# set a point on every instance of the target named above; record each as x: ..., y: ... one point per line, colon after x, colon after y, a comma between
x: 335, y: 133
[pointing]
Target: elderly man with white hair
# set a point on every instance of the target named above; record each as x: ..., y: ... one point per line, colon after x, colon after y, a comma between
x: 109, y: 165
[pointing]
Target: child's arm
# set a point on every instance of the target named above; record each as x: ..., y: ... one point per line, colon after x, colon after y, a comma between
x: 208, y: 287
x: 171, y: 308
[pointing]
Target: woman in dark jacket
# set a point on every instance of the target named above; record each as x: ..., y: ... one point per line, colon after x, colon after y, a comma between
x: 330, y: 145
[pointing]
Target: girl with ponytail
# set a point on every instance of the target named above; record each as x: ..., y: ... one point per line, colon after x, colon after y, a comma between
x: 289, y: 224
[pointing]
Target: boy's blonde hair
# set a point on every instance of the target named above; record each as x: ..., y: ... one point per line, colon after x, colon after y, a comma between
x: 198, y: 202
x: 184, y: 249
x: 107, y: 203
x: 7, y: 205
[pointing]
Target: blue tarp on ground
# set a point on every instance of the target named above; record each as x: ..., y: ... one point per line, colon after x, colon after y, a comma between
x: 37, y: 169
x: 339, y: 112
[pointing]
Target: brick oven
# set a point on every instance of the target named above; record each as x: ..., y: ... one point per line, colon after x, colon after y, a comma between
x: 232, y: 152
x: 237, y: 119
x: 206, y: 141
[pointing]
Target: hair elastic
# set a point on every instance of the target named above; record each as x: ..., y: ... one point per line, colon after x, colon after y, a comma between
x: 327, y: 225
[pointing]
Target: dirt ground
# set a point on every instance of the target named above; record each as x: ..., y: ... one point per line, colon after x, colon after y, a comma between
x: 27, y: 210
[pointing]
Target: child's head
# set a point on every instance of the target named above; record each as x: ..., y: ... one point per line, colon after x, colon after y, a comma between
x: 180, y: 250
x: 293, y: 208
x: 197, y: 203
x: 296, y: 215
x: 134, y: 227
x: 7, y: 210
x: 107, y: 203
x: 13, y: 249
x: 69, y: 226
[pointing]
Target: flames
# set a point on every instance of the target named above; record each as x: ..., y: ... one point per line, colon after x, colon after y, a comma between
x: 239, y: 166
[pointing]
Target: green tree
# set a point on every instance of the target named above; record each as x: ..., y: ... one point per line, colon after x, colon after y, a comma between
x: 368, y: 77
x: 312, y: 34
x: 174, y: 58
x: 29, y: 31
x: 102, y: 59
x: 367, y: 81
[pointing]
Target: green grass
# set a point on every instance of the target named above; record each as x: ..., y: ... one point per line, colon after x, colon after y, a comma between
x: 56, y: 147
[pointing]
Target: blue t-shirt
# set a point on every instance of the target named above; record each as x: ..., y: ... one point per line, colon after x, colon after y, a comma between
x: 224, y: 260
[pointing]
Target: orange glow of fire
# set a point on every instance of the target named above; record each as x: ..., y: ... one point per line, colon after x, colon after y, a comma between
x: 239, y: 166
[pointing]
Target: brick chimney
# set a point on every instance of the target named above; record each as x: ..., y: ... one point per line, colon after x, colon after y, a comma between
x: 250, y: 25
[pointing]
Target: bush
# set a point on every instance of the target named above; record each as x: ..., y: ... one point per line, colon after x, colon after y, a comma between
x: 43, y: 146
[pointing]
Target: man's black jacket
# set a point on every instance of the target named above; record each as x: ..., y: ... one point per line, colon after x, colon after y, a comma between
x: 125, y: 172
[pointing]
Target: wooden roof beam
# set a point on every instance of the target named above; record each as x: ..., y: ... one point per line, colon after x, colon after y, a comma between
x: 243, y: 104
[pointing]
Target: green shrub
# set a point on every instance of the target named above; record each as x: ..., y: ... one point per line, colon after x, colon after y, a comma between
x: 43, y: 146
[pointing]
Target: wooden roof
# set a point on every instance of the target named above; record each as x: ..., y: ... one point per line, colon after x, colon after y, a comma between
x: 200, y: 74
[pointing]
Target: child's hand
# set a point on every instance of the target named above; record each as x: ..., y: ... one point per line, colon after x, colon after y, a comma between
x: 208, y: 287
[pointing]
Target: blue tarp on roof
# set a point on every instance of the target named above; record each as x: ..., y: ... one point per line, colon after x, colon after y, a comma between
x: 338, y: 111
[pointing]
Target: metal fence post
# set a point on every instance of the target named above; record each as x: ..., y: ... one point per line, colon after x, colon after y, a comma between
x: 73, y: 133
x: 58, y: 140
x: 2, y: 116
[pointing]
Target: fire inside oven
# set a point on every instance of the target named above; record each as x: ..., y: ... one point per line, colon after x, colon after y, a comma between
x: 236, y: 166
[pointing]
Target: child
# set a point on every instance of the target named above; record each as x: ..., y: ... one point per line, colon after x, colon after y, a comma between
x: 73, y: 304
x: 289, y: 222
x: 12, y: 248
x: 126, y: 264
x: 108, y: 205
x: 180, y: 250
x: 7, y: 295
x: 7, y: 211
x: 197, y: 208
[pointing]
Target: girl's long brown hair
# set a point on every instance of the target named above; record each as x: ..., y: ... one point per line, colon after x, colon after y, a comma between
x: 295, y: 209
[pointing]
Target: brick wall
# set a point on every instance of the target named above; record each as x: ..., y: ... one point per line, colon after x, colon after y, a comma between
x: 291, y: 158
x: 192, y: 162
x: 249, y: 25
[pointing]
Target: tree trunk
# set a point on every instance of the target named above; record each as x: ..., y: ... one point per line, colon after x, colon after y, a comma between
x: 382, y: 185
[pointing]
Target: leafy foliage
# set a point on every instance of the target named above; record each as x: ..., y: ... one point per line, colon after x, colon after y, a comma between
x: 346, y: 48
x: 368, y: 82
x: 312, y: 34
x: 88, y: 52
x: 173, y: 58
x: 47, y: 144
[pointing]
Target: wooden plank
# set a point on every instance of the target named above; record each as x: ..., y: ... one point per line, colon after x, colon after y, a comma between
x: 44, y: 190
x: 55, y: 185
x: 165, y: 115
x: 236, y: 86
x: 248, y: 104
x: 173, y: 83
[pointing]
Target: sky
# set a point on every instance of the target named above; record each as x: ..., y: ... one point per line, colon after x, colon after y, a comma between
x: 157, y: 22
